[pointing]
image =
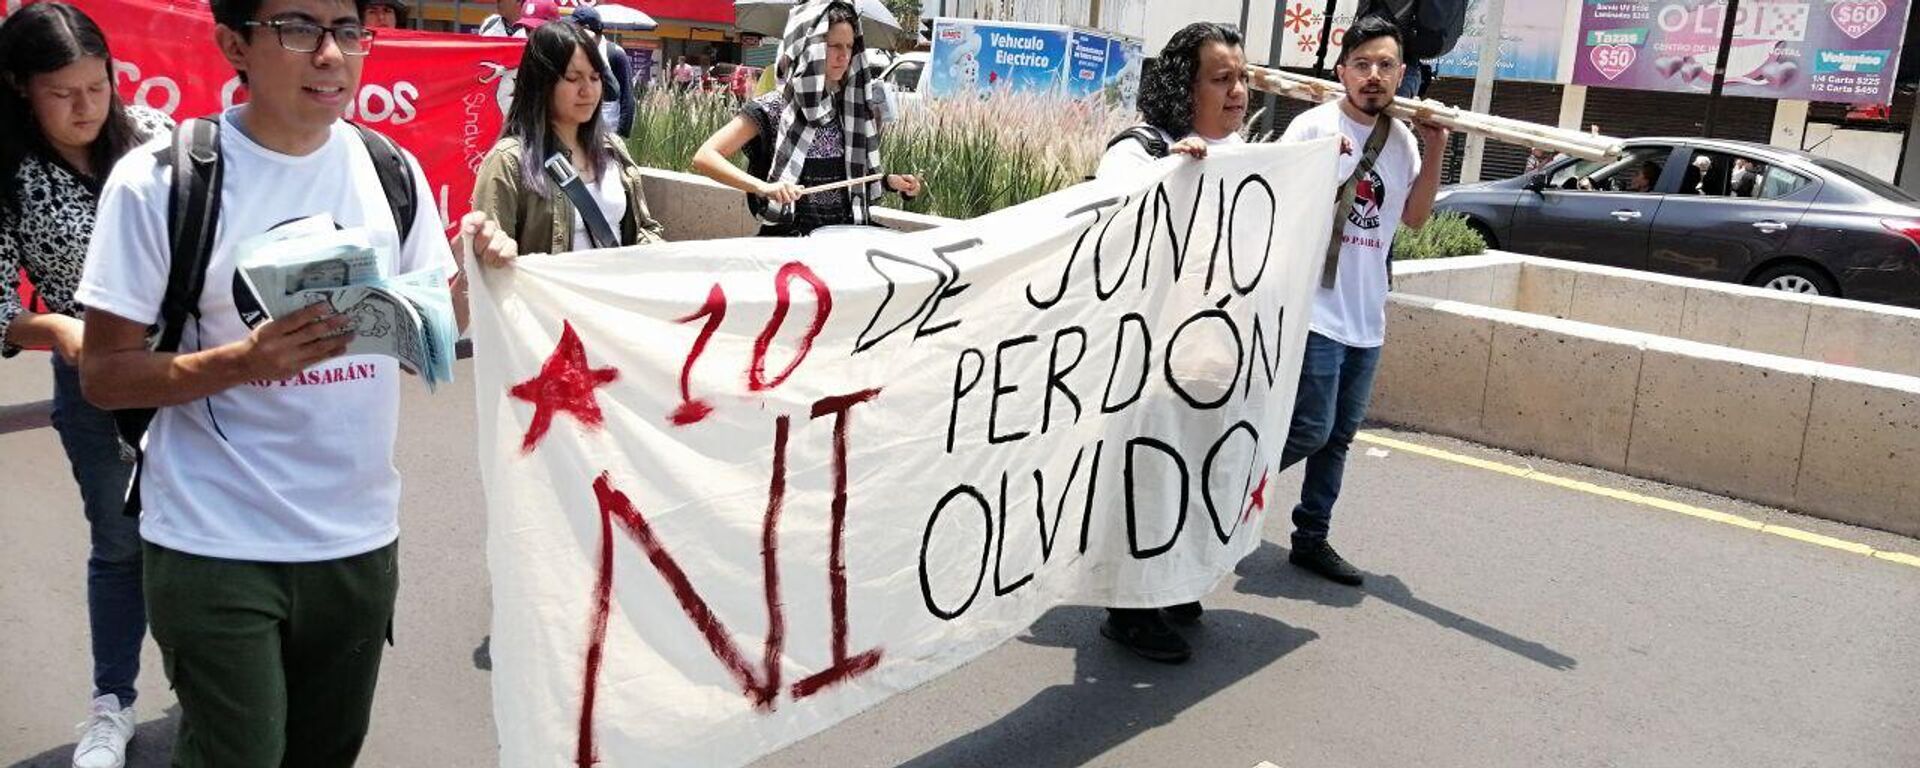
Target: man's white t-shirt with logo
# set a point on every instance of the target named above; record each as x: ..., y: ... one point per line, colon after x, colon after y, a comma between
x: 1354, y: 311
x: 293, y: 470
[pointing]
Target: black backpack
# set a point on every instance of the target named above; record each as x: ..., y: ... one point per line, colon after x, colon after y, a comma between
x: 193, y: 216
x: 1431, y: 27
x: 1148, y: 136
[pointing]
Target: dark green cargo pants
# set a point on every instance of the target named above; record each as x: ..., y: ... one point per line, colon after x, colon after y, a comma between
x: 274, y: 663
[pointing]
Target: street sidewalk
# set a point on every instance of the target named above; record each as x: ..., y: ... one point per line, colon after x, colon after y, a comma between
x: 1507, y: 621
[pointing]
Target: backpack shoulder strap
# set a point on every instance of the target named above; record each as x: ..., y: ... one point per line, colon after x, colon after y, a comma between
x: 193, y: 217
x: 396, y: 178
x: 1148, y: 136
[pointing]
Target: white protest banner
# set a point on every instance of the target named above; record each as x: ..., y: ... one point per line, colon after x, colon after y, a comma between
x: 740, y: 490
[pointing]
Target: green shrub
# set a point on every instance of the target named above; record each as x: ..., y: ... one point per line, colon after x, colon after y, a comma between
x: 1446, y: 235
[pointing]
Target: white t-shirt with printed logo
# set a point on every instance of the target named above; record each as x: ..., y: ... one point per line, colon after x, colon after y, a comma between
x: 296, y: 470
x: 1354, y: 311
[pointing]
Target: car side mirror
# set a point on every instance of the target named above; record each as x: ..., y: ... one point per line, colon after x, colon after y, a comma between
x: 1537, y: 182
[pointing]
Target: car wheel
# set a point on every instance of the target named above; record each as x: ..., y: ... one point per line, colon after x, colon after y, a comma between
x: 1797, y: 278
x: 1485, y: 232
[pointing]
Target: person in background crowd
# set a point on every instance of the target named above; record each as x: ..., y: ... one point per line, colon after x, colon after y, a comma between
x: 616, y: 100
x: 62, y: 128
x: 1644, y: 177
x: 386, y: 14
x: 685, y: 74
x: 1696, y: 180
x: 1746, y: 178
x: 513, y: 186
x: 534, y: 14
x: 269, y: 502
x: 1349, y: 322
x: 502, y: 24
x: 1194, y: 97
x: 1538, y: 159
x: 820, y: 127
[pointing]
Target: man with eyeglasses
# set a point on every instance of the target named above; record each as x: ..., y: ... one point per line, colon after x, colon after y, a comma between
x: 1389, y: 183
x: 268, y: 493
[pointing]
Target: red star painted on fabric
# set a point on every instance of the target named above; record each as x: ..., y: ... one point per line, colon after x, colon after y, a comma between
x: 566, y: 384
x: 1259, y: 500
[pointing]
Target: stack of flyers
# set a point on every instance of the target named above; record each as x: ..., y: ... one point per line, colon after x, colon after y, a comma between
x: 407, y: 317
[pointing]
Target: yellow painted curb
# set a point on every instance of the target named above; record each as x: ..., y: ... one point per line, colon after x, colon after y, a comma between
x: 1527, y: 473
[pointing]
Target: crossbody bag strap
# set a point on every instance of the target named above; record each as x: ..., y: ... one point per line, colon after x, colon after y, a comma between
x: 1382, y: 125
x: 567, y: 180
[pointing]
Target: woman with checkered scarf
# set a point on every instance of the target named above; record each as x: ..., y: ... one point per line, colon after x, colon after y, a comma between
x: 819, y: 127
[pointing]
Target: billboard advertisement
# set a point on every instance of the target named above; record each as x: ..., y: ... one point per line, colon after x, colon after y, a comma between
x: 1819, y: 50
x: 1125, y: 59
x: 980, y: 56
x: 1300, y: 25
x: 1087, y: 67
x: 1530, y: 41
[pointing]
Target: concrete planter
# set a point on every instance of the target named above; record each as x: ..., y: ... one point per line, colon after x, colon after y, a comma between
x: 1804, y: 403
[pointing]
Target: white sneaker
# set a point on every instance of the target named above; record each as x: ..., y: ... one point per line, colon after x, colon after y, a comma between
x: 104, y: 736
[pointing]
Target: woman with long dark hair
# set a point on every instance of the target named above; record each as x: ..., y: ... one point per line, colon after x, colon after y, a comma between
x: 819, y: 127
x: 1193, y: 97
x: 62, y: 127
x: 556, y: 114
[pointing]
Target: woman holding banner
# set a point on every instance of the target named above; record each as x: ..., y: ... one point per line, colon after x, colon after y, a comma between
x: 1194, y: 97
x: 558, y: 180
x: 820, y: 128
x: 62, y: 127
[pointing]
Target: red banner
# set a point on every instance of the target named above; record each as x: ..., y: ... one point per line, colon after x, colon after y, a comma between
x: 442, y: 96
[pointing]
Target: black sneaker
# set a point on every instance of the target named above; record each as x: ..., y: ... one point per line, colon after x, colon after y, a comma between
x: 1145, y: 634
x: 1319, y: 558
x: 1184, y: 613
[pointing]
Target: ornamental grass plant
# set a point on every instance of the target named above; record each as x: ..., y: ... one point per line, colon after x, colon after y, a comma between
x: 972, y: 155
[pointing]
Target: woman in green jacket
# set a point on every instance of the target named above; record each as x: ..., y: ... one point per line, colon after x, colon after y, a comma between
x: 557, y: 114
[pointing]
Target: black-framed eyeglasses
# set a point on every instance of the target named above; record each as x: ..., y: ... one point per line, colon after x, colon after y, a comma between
x: 304, y: 36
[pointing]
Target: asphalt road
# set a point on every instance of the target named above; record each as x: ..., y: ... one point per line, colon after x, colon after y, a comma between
x: 1505, y: 622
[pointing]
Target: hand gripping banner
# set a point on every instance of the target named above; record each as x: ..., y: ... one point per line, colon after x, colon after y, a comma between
x: 741, y: 490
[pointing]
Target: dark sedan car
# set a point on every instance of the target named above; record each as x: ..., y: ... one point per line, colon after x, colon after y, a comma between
x: 1718, y: 210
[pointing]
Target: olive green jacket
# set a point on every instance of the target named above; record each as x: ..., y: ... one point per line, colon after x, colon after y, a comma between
x: 545, y: 224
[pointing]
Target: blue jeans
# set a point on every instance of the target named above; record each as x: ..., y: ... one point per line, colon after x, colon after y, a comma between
x: 1411, y: 82
x: 116, y: 609
x: 1335, y: 383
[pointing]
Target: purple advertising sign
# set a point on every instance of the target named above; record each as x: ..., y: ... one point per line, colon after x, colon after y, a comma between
x: 1818, y: 50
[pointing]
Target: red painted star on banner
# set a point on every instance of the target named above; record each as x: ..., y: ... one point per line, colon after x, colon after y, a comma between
x: 1259, y: 500
x: 565, y: 383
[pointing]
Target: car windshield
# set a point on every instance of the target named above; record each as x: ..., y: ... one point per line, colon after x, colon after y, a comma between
x: 1864, y: 180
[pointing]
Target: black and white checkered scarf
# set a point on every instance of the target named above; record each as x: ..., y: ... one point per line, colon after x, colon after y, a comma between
x: 810, y: 103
